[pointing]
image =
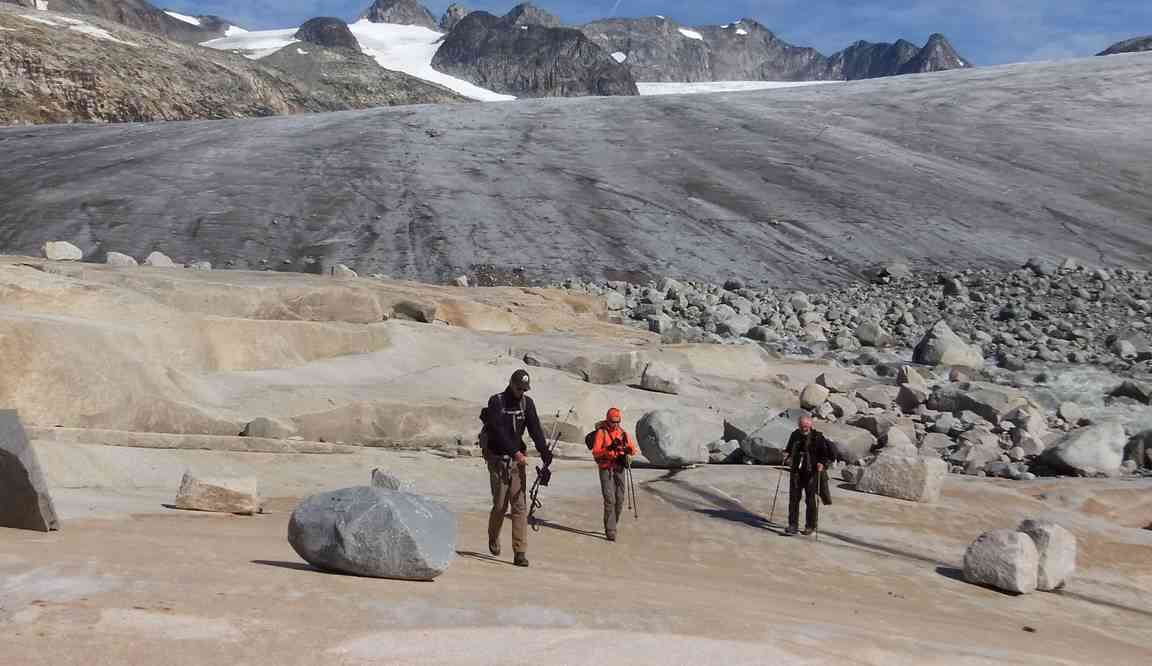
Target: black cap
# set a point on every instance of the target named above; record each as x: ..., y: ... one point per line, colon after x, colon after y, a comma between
x: 521, y: 380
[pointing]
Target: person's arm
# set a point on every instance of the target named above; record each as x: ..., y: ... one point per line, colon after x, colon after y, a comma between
x: 827, y: 453
x: 600, y: 445
x: 536, y: 431
x: 632, y: 450
x: 790, y: 447
x: 497, y: 436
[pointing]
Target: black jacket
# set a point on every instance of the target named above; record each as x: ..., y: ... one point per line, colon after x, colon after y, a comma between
x: 506, y: 419
x: 805, y: 452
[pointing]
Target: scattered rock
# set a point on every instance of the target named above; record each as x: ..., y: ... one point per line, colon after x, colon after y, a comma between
x: 723, y: 452
x: 1136, y: 390
x: 120, y: 260
x: 661, y: 377
x: 25, y: 502
x: 813, y: 396
x: 382, y: 479
x: 941, y: 346
x: 675, y: 438
x: 1072, y: 413
x: 342, y: 271
x: 1057, y: 550
x: 367, y: 531
x: 763, y: 434
x: 462, y: 281
x: 880, y: 395
x: 1097, y: 448
x: 842, y: 406
x: 62, y: 251
x: 219, y: 495
x: 1003, y: 559
x: 907, y: 477
x: 609, y: 368
x: 870, y: 334
x: 852, y: 444
x: 159, y: 260
x: 837, y: 381
x: 911, y: 396
x: 200, y: 266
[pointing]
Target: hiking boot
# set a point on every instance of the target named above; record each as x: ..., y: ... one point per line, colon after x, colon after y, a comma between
x: 494, y: 548
x: 610, y: 537
x: 521, y: 560
x: 808, y: 531
x: 791, y: 531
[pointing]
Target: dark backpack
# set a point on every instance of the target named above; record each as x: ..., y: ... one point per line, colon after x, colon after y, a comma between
x: 590, y: 440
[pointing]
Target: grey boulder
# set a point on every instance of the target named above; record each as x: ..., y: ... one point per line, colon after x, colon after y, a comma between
x: 62, y: 251
x: 763, y: 434
x: 661, y: 377
x: 904, y: 476
x: 675, y: 438
x: 941, y: 346
x: 1057, y: 549
x: 1097, y: 448
x: 1003, y: 559
x: 375, y: 532
x: 24, y: 499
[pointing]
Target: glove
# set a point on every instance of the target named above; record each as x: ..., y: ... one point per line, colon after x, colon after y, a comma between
x: 546, y: 458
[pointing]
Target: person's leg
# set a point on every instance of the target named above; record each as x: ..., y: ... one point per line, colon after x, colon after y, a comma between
x: 621, y: 489
x: 518, y: 494
x: 812, y: 502
x: 793, y: 502
x: 500, y: 481
x: 608, y: 492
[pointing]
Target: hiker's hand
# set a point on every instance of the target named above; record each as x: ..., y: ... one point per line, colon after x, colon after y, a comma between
x: 546, y: 458
x: 819, y: 467
x: 521, y: 459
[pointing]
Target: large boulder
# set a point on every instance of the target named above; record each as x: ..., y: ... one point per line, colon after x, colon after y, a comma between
x: 24, y: 499
x: 676, y: 438
x: 763, y: 434
x: 722, y: 452
x: 376, y: 532
x: 879, y: 395
x: 941, y: 346
x: 838, y: 381
x: 1003, y: 559
x: 908, y: 477
x: 991, y: 401
x: 852, y: 444
x: 609, y: 368
x: 219, y: 495
x: 1097, y: 448
x: 159, y: 260
x: 120, y: 260
x: 661, y: 377
x: 62, y: 251
x: 1057, y: 549
x: 813, y: 396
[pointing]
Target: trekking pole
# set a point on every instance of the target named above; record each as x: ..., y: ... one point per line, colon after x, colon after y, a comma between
x: 543, y: 474
x: 772, y: 513
x: 632, y: 491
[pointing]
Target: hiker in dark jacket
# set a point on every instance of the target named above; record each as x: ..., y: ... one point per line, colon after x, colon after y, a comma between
x: 508, y: 415
x: 808, y: 454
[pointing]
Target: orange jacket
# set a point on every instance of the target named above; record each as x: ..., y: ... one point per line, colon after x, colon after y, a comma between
x: 605, y: 455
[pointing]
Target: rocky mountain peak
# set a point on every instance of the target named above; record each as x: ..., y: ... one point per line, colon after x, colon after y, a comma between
x: 327, y: 31
x: 404, y: 12
x: 453, y: 15
x: 502, y: 55
x: 529, y: 14
x: 1134, y: 45
x: 937, y: 55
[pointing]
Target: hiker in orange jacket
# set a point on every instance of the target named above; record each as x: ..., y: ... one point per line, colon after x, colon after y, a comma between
x: 613, y: 451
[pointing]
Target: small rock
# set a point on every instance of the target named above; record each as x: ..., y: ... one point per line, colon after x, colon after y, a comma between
x: 159, y: 260
x: 120, y: 260
x: 200, y: 266
x: 219, y: 495
x: 661, y: 377
x: 62, y: 251
x: 382, y: 479
x: 460, y: 281
x: 813, y: 396
x: 1072, y: 413
x: 941, y: 346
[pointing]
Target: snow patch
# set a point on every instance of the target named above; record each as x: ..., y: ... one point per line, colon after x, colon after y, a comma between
x: 676, y: 88
x: 301, y: 51
x: 400, y: 48
x: 77, y: 25
x: 741, y: 31
x: 181, y: 17
x: 620, y: 56
x: 234, y: 30
x: 691, y: 34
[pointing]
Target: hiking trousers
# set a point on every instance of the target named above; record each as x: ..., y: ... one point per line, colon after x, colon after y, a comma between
x: 509, y: 488
x: 808, y: 484
x: 612, y: 487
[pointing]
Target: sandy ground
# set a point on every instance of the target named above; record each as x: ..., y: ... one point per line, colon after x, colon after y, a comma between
x: 702, y: 577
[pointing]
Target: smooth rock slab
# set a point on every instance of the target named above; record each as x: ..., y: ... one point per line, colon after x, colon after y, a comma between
x: 218, y: 495
x: 24, y: 499
x: 674, y: 438
x: 375, y: 532
x: 907, y: 477
x: 1003, y: 559
x: 1057, y: 549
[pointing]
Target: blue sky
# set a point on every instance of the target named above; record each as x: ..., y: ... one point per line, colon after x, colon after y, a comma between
x: 987, y: 32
